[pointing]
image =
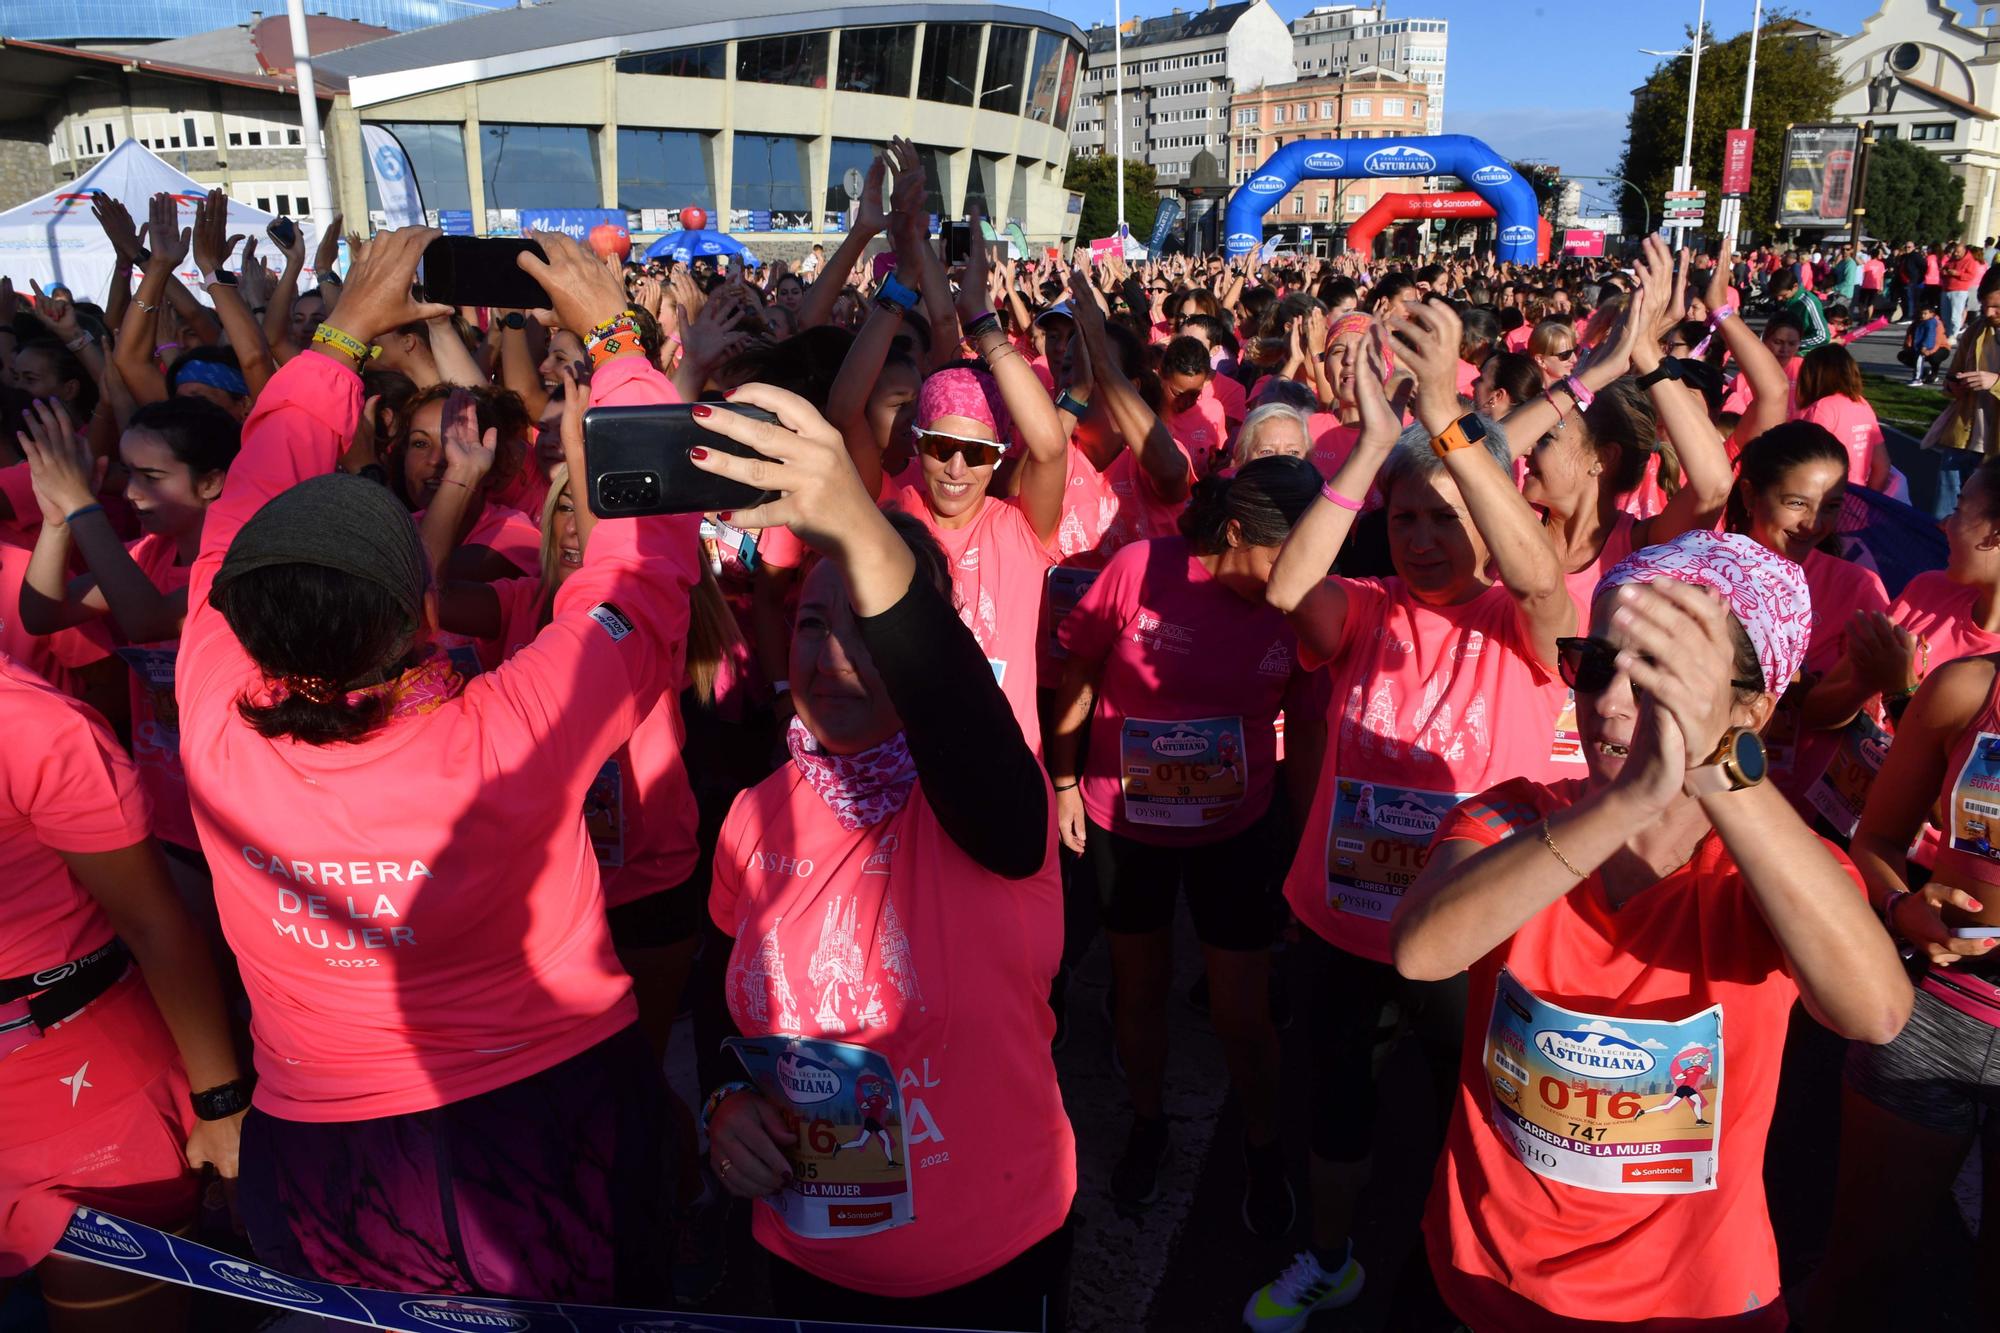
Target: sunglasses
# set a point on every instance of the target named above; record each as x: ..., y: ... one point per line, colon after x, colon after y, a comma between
x: 941, y: 445
x: 1564, y: 355
x: 1588, y: 665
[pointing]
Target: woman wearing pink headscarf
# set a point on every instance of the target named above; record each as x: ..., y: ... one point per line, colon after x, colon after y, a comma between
x: 1634, y: 939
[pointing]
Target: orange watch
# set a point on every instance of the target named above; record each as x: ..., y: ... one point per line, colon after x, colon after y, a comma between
x: 1460, y: 434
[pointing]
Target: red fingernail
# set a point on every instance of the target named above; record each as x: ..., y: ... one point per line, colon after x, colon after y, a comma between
x: 703, y: 410
x: 1976, y: 906
x: 727, y: 516
x: 698, y: 453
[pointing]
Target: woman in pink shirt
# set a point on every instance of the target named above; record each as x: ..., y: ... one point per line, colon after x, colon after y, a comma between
x: 110, y: 1016
x: 1554, y: 347
x: 890, y: 918
x: 1443, y: 678
x: 497, y: 541
x: 1176, y: 672
x: 401, y: 859
x: 1830, y: 395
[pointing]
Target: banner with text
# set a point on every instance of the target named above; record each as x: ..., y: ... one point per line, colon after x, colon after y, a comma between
x: 1816, y: 186
x: 574, y: 223
x: 1583, y: 244
x: 1738, y: 148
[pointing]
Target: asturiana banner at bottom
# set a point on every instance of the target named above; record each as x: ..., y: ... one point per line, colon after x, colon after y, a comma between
x: 113, y: 1242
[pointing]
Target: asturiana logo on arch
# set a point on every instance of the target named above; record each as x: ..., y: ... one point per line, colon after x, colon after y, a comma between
x: 1268, y: 184
x: 1324, y: 161
x: 1239, y: 241
x: 1402, y: 160
x: 1517, y: 234
x: 1492, y: 175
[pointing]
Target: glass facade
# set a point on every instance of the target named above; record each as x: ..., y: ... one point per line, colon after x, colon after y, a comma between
x: 1044, y: 76
x: 538, y: 166
x: 1072, y: 64
x: 937, y: 176
x: 666, y: 169
x: 846, y: 154
x: 951, y: 63
x: 876, y: 60
x: 682, y: 62
x: 797, y: 60
x: 771, y: 182
x: 1006, y: 52
x: 437, y: 155
x: 101, y: 20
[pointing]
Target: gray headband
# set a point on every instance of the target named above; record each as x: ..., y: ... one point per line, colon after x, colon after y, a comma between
x: 338, y: 522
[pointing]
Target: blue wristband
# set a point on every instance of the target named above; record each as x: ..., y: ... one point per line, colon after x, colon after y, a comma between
x: 79, y: 513
x: 896, y: 292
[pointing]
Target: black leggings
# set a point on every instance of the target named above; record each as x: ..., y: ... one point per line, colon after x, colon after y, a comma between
x: 1028, y: 1292
x: 1348, y: 993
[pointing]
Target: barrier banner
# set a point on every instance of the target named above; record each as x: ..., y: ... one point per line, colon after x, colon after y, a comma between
x: 1163, y: 226
x: 1585, y: 244
x: 113, y: 1242
x: 574, y: 223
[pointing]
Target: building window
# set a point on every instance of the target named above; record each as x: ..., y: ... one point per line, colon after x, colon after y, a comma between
x: 876, y: 60
x: 1937, y: 131
x: 842, y: 155
x: 538, y: 166
x: 1392, y: 106
x: 1323, y: 203
x: 1006, y: 55
x: 1357, y: 203
x: 1360, y: 106
x: 684, y: 62
x: 1072, y: 61
x: 1277, y: 115
x: 937, y: 183
x: 437, y: 157
x: 769, y: 179
x: 951, y: 63
x: 1326, y: 111
x: 1298, y: 205
x: 1246, y: 116
x: 1302, y: 112
x: 1417, y: 106
x: 1044, y: 75
x: 797, y: 60
x: 665, y: 169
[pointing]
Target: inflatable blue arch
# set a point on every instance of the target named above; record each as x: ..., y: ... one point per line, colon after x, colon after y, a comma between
x: 1483, y: 171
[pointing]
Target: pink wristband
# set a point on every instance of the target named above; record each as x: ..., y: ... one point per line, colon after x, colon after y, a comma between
x: 1582, y: 395
x: 1329, y: 494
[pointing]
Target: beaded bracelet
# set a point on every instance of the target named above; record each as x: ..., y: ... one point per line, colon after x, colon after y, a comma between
x: 622, y: 317
x: 613, y: 342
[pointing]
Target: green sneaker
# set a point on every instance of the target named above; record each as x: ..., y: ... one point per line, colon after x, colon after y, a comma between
x: 1286, y: 1304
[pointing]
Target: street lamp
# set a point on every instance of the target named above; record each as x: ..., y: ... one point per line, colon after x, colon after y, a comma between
x: 1684, y: 174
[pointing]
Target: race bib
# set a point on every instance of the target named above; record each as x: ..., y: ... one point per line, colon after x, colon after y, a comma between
x: 604, y: 815
x: 1840, y: 792
x: 1182, y: 774
x: 850, y: 1165
x: 1973, y: 813
x: 1066, y: 587
x: 1566, y: 747
x: 154, y: 669
x: 1377, y: 842
x: 1617, y: 1105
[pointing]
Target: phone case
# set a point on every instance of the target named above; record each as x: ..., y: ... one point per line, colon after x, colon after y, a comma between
x: 481, y: 270
x: 637, y: 458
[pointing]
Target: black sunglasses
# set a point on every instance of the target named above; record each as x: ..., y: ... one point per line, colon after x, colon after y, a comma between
x: 1588, y: 664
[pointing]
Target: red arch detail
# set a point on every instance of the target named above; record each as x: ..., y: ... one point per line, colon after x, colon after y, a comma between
x: 1401, y: 207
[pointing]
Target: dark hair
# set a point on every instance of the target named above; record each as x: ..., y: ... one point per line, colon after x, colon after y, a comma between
x: 1430, y: 273
x: 501, y: 412
x: 1690, y: 331
x: 67, y: 367
x: 1184, y: 356
x: 1621, y: 414
x: 198, y: 433
x: 310, y: 621
x: 1264, y: 499
x: 395, y: 390
x: 1987, y: 477
x: 1387, y: 291
x: 1838, y: 311
x: 1481, y: 328
x: 1827, y: 370
x: 1516, y: 373
x: 932, y: 565
x: 1511, y: 318
x: 1784, y: 280
x: 222, y: 356
x: 1332, y: 291
x: 1785, y: 319
x: 1766, y: 460
x: 1254, y: 302
x: 1218, y: 331
x: 806, y: 364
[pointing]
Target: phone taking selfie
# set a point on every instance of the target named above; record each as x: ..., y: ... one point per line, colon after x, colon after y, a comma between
x: 637, y: 458
x: 284, y: 232
x: 482, y: 270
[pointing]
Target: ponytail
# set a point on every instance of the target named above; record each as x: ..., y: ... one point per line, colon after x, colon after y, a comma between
x: 713, y: 636
x: 1264, y: 500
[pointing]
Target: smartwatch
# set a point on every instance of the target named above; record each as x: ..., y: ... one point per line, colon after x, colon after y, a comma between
x: 219, y: 1103
x: 222, y: 277
x: 1070, y: 403
x: 514, y: 319
x: 1738, y: 762
x: 1463, y: 433
x: 895, y: 293
x: 1668, y: 369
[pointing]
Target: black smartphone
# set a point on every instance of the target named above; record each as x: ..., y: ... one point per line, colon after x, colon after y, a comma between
x: 284, y: 233
x: 482, y: 270
x: 637, y: 458
x: 957, y: 242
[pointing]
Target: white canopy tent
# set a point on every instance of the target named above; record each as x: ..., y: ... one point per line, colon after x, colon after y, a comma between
x: 55, y: 238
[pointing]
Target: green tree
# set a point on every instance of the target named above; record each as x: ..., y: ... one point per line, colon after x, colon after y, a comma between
x: 1796, y: 83
x: 1096, y: 178
x: 1912, y: 194
x: 1545, y: 179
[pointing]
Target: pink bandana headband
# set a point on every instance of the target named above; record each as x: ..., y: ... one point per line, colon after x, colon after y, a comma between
x: 963, y: 392
x: 1766, y: 591
x: 1350, y: 323
x: 861, y: 789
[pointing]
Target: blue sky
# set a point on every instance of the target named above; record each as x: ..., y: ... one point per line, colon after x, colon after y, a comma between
x: 1546, y: 79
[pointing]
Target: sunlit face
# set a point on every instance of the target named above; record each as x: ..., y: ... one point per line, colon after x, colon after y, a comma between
x: 1432, y: 542
x: 1488, y: 398
x: 1559, y: 470
x: 565, y: 349
x: 954, y: 487
x: 307, y: 312
x: 790, y: 291
x: 1783, y: 340
x: 1798, y: 512
x: 1972, y: 536
x: 1558, y: 361
x: 1989, y: 308
x: 1343, y: 360
x: 36, y: 374
x: 569, y: 544
x: 1278, y: 436
x: 835, y: 687
x: 165, y: 492
x: 423, y: 454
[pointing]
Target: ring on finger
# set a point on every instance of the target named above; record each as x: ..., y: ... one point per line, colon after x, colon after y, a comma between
x: 722, y: 1168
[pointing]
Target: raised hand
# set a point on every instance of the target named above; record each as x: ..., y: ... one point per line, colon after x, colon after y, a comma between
x: 468, y: 455
x: 328, y: 252
x: 212, y: 241
x: 377, y: 296
x: 57, y: 313
x: 584, y: 291
x: 61, y: 468
x: 163, y: 228
x: 118, y: 229
x: 822, y: 499
x: 973, y: 295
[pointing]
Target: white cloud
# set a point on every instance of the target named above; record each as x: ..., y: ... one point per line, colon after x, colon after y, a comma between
x: 1587, y: 140
x: 1605, y: 1029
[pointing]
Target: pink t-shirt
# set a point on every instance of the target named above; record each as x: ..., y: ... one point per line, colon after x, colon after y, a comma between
x: 997, y: 568
x: 1089, y: 507
x: 1516, y: 339
x: 417, y: 915
x: 1202, y: 431
x: 1853, y: 423
x: 510, y: 533
x: 156, y: 739
x: 1930, y: 270
x: 1468, y: 378
x: 891, y: 937
x: 1190, y: 677
x: 65, y: 786
x: 1230, y: 394
x: 1839, y: 588
x: 1582, y: 583
x: 1430, y: 704
x: 641, y: 813
x: 1142, y: 514
x: 57, y: 657
x: 1939, y: 612
x: 1332, y: 443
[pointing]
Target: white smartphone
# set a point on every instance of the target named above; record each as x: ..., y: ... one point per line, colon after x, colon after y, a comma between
x: 1975, y: 932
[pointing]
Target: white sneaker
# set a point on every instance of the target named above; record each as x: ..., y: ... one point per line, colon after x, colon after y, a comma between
x: 1917, y: 382
x: 1284, y: 1305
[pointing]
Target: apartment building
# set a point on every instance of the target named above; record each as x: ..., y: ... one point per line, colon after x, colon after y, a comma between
x: 1334, y: 41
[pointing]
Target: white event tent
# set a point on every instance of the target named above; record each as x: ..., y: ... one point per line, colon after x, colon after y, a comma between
x: 56, y: 239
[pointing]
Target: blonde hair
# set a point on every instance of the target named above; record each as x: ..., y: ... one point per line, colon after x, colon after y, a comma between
x: 713, y: 634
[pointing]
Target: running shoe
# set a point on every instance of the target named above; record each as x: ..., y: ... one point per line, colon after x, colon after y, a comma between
x: 1269, y: 1206
x: 1286, y: 1304
x: 1135, y: 1181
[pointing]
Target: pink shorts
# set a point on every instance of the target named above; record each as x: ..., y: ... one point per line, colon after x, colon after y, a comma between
x: 96, y: 1114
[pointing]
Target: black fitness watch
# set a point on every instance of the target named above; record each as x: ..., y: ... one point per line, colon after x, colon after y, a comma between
x: 219, y: 1103
x: 1668, y: 369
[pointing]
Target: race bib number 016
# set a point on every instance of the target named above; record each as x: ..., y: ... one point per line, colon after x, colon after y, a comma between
x: 1618, y: 1105
x: 1182, y: 774
x: 1377, y: 843
x: 850, y: 1165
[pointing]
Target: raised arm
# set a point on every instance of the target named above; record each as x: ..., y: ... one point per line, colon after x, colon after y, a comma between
x: 1427, y: 336
x: 1152, y: 444
x: 212, y: 246
x: 1535, y: 418
x: 1044, y: 466
x: 467, y: 458
x: 1771, y: 390
x: 816, y: 306
x: 1709, y: 474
